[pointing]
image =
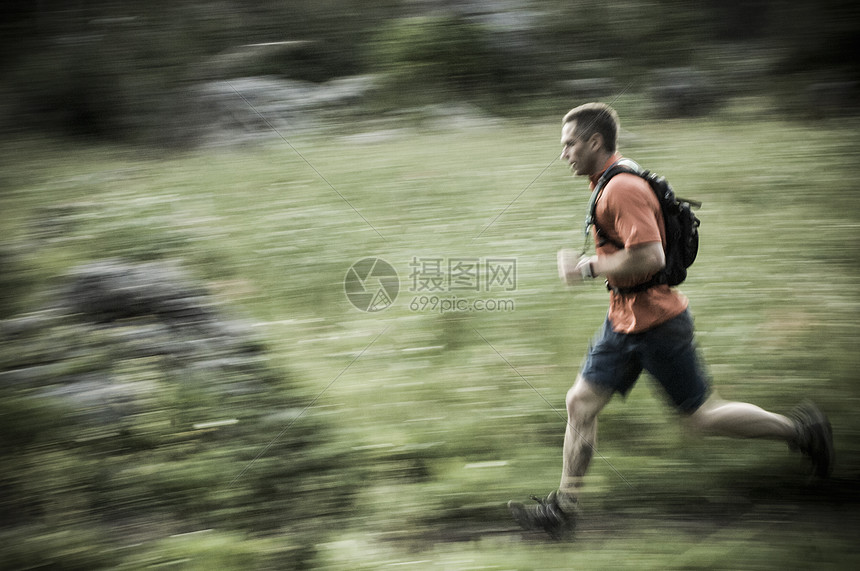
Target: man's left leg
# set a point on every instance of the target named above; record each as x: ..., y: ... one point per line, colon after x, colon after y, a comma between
x: 672, y: 359
x: 740, y: 420
x: 809, y: 430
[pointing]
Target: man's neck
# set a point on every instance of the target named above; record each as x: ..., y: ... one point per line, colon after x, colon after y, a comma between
x: 604, y: 160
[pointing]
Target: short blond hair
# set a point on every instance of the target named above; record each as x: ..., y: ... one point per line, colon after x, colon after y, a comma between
x: 594, y: 118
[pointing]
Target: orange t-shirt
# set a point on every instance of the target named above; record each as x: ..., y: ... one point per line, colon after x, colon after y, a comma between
x: 629, y: 213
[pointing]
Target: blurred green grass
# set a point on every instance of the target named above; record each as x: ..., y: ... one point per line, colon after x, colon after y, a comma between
x: 453, y: 414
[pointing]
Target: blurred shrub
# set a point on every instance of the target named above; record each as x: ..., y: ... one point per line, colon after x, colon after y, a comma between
x: 25, y: 421
x: 134, y: 410
x: 14, y: 282
x: 72, y: 549
x: 120, y: 71
x: 431, y: 58
x: 641, y: 35
x: 109, y: 81
x: 211, y: 549
x: 682, y: 92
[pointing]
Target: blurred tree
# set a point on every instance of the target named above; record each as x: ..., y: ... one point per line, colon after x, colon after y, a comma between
x: 133, y: 404
x: 820, y: 36
x: 737, y: 20
x: 427, y: 56
x: 116, y: 70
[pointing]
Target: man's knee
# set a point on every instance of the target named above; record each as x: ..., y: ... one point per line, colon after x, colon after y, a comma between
x: 696, y: 421
x: 700, y: 418
x: 584, y: 400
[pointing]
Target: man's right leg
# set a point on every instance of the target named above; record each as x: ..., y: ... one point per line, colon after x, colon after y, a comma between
x: 584, y: 402
x: 555, y: 514
x: 611, y: 366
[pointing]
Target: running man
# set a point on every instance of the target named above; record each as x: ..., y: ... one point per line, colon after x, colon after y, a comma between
x: 649, y: 330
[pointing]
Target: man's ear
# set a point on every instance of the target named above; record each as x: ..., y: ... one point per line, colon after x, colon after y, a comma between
x: 596, y: 142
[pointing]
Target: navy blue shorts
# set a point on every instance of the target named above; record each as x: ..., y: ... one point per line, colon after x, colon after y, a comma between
x: 668, y: 352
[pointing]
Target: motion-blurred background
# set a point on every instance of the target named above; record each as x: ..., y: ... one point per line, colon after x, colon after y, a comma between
x: 159, y: 71
x: 185, y: 383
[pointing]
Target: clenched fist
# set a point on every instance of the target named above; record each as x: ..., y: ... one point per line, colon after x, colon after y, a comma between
x: 572, y: 268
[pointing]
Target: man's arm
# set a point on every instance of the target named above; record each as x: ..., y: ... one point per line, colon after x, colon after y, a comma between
x: 643, y: 259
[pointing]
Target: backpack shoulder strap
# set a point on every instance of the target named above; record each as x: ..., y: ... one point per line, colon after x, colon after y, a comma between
x: 620, y: 166
x: 627, y: 165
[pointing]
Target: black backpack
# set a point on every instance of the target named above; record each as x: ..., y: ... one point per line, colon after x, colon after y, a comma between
x: 682, y: 225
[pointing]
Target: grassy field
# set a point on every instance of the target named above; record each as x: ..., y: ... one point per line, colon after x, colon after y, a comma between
x: 452, y: 413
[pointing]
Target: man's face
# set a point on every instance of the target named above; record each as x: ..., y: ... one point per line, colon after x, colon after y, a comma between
x: 579, y: 154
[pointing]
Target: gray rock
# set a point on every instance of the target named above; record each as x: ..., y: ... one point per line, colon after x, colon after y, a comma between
x: 248, y: 108
x: 110, y: 290
x: 682, y: 92
x: 122, y: 338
